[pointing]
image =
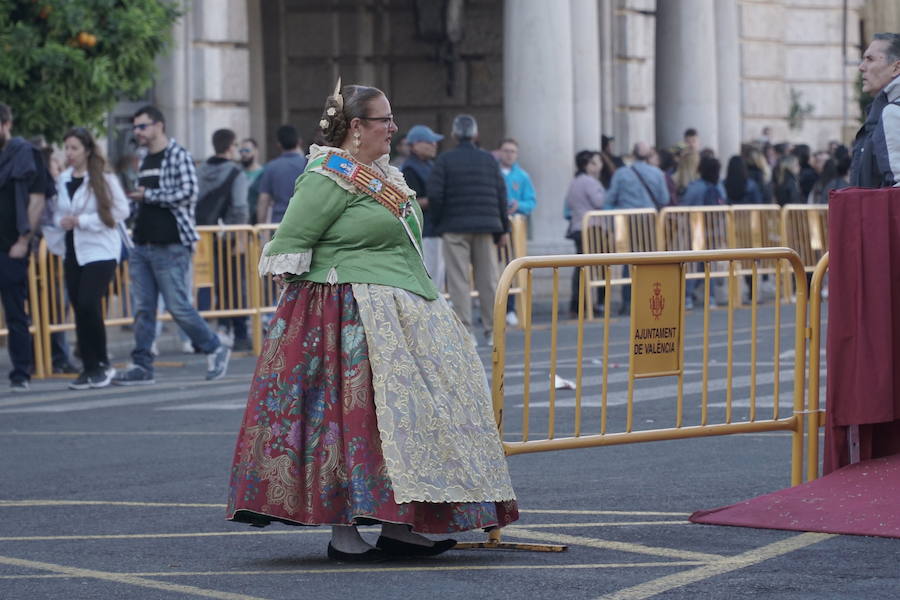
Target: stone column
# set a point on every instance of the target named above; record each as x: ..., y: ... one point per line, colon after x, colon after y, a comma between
x: 686, y: 90
x: 606, y: 18
x: 728, y: 79
x: 257, y: 80
x: 172, y: 92
x: 586, y: 74
x: 204, y: 81
x: 221, y: 87
x: 537, y: 103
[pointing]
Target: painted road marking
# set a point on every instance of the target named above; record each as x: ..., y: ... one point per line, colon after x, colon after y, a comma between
x: 719, y: 567
x: 35, y: 503
x: 156, y: 536
x: 605, y: 524
x: 123, y: 578
x: 549, y: 511
x: 383, y: 569
x: 113, y: 433
x: 705, y: 565
x: 128, y: 399
x: 41, y: 395
x: 236, y: 404
x: 577, y: 540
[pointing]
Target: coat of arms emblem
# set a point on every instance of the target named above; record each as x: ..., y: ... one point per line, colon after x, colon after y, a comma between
x: 657, y: 301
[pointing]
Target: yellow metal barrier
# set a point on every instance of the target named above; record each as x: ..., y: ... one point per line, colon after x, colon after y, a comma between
x: 682, y: 228
x: 226, y: 285
x: 804, y: 227
x: 791, y: 422
x: 56, y: 311
x: 694, y: 416
x: 609, y: 231
x: 697, y: 228
x: 225, y: 264
x: 815, y: 413
x: 757, y: 226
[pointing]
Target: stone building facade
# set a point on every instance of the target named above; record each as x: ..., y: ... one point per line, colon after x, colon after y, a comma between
x: 553, y: 74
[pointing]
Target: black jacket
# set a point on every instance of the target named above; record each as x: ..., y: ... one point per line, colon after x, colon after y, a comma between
x: 416, y: 172
x: 871, y: 165
x: 466, y: 192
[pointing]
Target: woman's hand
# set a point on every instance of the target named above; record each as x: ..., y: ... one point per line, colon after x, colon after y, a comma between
x: 69, y: 222
x: 279, y: 280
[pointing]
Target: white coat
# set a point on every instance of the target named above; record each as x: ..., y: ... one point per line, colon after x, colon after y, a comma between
x: 93, y: 240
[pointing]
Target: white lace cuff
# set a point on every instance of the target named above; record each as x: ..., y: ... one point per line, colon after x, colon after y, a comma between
x: 279, y: 264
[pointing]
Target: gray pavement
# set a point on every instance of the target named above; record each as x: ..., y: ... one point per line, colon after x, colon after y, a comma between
x: 119, y: 493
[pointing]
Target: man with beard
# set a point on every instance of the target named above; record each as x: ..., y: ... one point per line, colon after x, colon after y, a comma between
x: 164, y: 237
x: 249, y: 157
x: 23, y: 185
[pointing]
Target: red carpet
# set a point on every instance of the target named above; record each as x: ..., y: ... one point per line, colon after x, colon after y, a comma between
x: 860, y: 499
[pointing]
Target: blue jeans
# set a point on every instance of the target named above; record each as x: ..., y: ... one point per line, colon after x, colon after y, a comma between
x: 161, y: 269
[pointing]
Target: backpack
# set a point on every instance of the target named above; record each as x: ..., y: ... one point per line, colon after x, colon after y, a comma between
x: 214, y: 203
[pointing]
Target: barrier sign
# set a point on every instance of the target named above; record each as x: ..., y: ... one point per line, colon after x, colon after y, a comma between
x: 203, y: 262
x: 656, y: 298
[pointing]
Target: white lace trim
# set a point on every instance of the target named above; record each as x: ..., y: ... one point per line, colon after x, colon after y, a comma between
x: 279, y: 264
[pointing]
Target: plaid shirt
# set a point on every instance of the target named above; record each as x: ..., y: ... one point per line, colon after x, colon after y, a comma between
x: 177, y: 190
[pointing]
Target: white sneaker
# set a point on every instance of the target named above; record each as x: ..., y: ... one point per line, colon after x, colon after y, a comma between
x: 187, y: 347
x: 511, y: 319
x: 217, y: 362
x: 154, y: 350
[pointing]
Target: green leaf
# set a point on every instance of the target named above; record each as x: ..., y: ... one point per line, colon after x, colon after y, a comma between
x: 66, y: 62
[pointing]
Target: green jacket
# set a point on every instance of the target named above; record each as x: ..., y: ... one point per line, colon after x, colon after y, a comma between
x: 332, y: 235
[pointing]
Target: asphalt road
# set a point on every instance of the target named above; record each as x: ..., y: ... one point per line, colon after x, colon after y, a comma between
x: 119, y: 493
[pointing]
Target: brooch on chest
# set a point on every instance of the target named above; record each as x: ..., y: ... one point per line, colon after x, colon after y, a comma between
x: 368, y: 181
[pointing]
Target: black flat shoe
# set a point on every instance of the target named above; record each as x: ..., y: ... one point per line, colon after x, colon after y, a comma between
x: 397, y: 548
x: 371, y: 555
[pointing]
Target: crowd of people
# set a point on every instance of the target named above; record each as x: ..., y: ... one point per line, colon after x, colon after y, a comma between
x: 144, y: 211
x: 690, y: 174
x: 148, y: 214
x: 466, y: 194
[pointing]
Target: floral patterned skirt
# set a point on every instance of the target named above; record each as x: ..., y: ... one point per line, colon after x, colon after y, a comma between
x: 309, y: 449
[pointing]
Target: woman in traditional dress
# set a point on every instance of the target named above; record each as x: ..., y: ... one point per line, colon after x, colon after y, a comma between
x: 369, y: 403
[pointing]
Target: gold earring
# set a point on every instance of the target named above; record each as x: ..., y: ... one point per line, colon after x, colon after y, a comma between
x: 356, y: 141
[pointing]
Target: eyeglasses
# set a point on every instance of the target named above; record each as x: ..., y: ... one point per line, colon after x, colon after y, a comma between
x: 385, y: 120
x: 245, y: 150
x: 143, y: 126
